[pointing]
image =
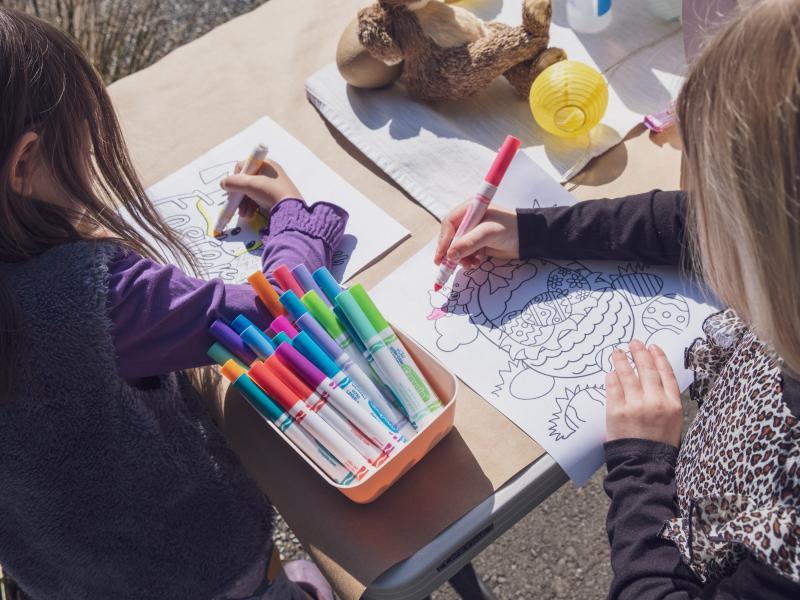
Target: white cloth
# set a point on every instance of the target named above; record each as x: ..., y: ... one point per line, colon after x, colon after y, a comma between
x: 439, y: 153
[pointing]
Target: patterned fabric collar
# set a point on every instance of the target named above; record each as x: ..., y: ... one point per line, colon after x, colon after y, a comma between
x: 738, y: 472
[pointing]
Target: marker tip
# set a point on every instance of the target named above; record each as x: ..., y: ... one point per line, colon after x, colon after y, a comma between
x: 437, y: 286
x: 217, y: 233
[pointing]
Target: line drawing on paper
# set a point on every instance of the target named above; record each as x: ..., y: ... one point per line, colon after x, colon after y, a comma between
x: 556, y: 323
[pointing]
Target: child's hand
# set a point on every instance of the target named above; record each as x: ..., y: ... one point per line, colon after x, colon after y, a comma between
x: 497, y: 235
x: 263, y: 190
x: 646, y: 405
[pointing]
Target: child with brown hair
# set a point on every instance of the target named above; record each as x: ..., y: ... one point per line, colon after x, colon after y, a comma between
x: 718, y: 515
x: 114, y: 483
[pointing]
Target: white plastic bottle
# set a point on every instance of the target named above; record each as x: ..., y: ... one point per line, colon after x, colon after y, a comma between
x: 588, y: 16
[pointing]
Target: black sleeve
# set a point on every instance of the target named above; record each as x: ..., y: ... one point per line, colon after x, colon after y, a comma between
x: 641, y: 485
x: 646, y: 227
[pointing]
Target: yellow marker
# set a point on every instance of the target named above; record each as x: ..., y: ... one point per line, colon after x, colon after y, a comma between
x: 251, y: 167
x: 569, y: 98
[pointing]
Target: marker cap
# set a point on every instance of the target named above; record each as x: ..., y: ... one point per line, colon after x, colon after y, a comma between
x: 266, y: 293
x: 240, y: 323
x: 287, y: 376
x: 323, y: 314
x: 283, y: 325
x: 264, y: 404
x: 220, y: 355
x: 298, y: 363
x: 303, y: 276
x: 368, y: 306
x: 311, y: 326
x: 232, y: 371
x: 292, y: 303
x: 328, y: 283
x: 270, y: 382
x: 309, y: 349
x: 356, y: 316
x: 283, y: 277
x: 228, y: 338
x: 504, y: 157
x: 258, y: 341
x: 281, y: 338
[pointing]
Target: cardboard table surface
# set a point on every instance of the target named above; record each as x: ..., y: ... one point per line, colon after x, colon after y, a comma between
x: 212, y: 88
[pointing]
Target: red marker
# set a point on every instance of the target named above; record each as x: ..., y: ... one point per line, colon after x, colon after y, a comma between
x: 480, y: 203
x: 318, y: 403
x: 284, y: 278
x: 271, y: 382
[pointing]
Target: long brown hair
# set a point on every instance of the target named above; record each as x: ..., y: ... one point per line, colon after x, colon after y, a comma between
x: 739, y: 114
x: 50, y: 88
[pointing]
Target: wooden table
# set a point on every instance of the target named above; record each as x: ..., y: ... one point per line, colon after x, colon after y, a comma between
x: 203, y: 93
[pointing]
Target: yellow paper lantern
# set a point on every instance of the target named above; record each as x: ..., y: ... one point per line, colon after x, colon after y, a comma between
x: 569, y: 98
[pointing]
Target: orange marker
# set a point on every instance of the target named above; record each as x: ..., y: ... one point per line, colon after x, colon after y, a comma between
x: 267, y: 294
x: 287, y: 281
x: 270, y: 381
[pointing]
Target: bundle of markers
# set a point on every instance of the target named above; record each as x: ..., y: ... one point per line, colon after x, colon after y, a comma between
x: 330, y: 372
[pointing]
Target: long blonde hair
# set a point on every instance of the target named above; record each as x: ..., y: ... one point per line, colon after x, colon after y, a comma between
x: 739, y: 115
x: 49, y: 87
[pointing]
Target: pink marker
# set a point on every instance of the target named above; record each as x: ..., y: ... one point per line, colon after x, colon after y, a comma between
x: 480, y: 203
x: 284, y: 278
x: 318, y: 403
x: 357, y: 414
x: 283, y: 325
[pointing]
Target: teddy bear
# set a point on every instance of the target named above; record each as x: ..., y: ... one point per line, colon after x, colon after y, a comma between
x: 444, y: 52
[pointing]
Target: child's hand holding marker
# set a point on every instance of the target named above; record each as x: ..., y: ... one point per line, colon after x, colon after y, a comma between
x: 261, y: 186
x: 497, y: 235
x: 474, y: 212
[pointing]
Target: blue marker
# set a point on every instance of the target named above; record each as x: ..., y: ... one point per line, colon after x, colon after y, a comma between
x: 240, y: 323
x: 328, y: 283
x: 293, y: 305
x: 258, y: 341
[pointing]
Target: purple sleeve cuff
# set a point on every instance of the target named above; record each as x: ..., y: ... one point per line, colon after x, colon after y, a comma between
x: 299, y: 233
x: 323, y: 221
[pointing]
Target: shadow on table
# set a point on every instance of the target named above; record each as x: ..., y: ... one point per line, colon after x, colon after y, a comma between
x: 366, y: 539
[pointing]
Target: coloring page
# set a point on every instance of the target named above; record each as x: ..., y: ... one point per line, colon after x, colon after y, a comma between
x: 190, y: 201
x: 534, y: 338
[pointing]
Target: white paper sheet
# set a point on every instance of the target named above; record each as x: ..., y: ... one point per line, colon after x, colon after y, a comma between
x: 190, y: 200
x: 534, y: 337
x: 439, y: 152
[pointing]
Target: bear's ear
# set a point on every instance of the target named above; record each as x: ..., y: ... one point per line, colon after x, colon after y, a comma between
x: 375, y: 34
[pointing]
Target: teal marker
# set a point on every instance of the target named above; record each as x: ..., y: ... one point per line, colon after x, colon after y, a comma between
x: 327, y: 282
x: 409, y: 390
x: 281, y: 338
x: 265, y: 405
x: 398, y: 351
x: 220, y: 355
x: 293, y: 305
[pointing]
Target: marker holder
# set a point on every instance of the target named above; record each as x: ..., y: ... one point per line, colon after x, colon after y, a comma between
x: 445, y: 385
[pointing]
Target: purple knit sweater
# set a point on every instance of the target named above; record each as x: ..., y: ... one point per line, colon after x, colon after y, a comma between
x: 160, y: 315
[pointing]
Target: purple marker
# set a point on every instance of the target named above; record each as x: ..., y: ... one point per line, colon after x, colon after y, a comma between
x: 283, y: 325
x: 366, y: 434
x: 343, y: 360
x: 306, y: 281
x: 231, y: 340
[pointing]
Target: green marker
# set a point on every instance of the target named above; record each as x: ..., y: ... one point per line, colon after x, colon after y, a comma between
x: 330, y: 322
x: 220, y: 355
x: 410, y: 390
x: 396, y: 347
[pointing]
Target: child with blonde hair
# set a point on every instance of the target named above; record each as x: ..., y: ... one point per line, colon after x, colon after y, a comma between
x: 718, y: 514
